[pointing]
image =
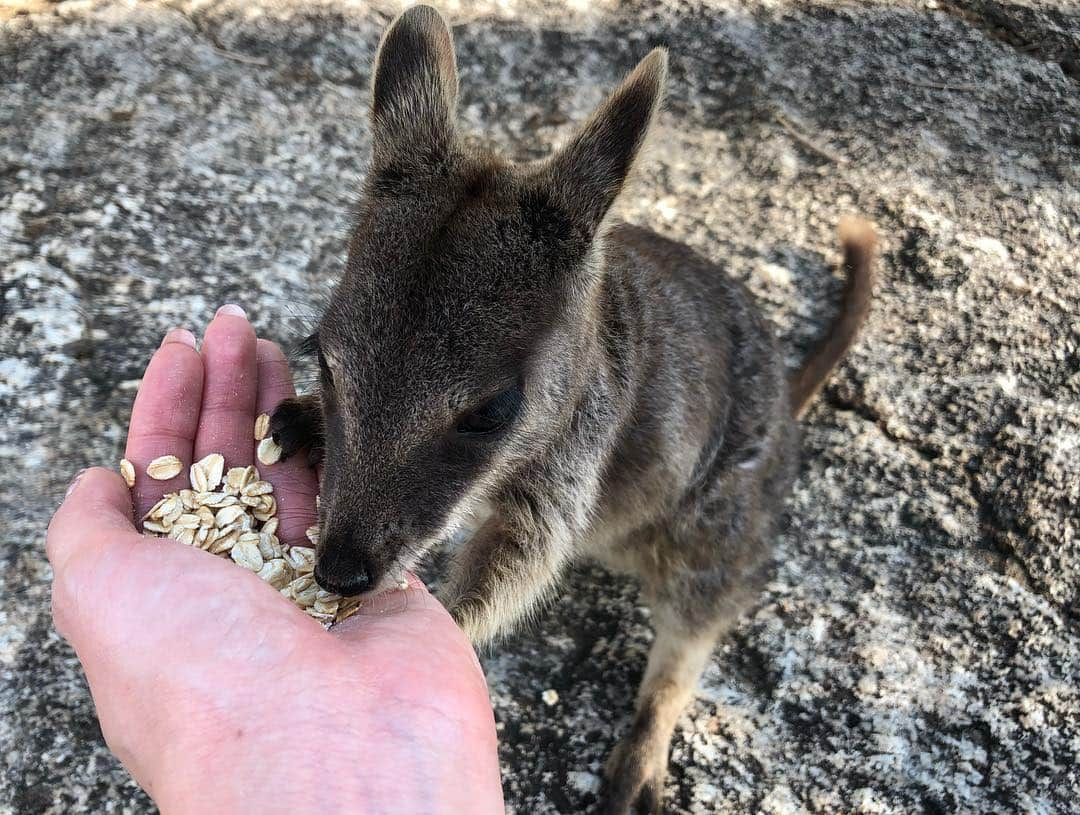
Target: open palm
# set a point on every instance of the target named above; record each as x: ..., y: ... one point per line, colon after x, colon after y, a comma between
x: 218, y: 694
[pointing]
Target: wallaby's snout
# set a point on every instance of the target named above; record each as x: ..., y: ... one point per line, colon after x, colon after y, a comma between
x: 344, y: 567
x: 376, y: 519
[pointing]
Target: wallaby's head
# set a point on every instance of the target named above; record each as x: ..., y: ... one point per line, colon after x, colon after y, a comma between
x: 452, y: 349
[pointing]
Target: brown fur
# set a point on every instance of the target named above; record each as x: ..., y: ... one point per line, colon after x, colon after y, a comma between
x: 859, y: 242
x: 499, y: 356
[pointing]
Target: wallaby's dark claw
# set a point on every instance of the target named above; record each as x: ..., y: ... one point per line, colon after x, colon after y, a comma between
x: 297, y: 423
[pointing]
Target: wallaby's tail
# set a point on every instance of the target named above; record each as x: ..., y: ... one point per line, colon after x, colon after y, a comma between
x: 858, y: 239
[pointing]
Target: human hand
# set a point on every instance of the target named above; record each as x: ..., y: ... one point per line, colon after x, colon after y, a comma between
x: 215, y: 692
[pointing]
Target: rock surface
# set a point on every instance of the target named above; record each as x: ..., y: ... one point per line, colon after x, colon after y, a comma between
x: 918, y: 649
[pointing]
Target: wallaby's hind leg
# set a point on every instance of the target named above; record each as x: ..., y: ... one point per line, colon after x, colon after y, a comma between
x: 716, y: 577
x: 637, y: 767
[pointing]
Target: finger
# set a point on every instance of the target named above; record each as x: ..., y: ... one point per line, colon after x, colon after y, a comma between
x: 295, y: 484
x: 228, y: 397
x: 95, y: 512
x: 165, y: 416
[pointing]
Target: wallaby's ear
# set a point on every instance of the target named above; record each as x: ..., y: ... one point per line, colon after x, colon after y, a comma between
x: 414, y: 92
x: 589, y: 172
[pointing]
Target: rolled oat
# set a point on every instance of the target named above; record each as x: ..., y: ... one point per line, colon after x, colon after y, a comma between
x: 233, y: 514
x: 262, y: 426
x: 163, y: 468
x: 268, y: 451
x: 127, y: 470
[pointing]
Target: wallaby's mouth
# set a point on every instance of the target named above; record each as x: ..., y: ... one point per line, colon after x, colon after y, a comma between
x: 343, y: 569
x: 351, y: 564
x: 345, y: 584
x: 361, y: 583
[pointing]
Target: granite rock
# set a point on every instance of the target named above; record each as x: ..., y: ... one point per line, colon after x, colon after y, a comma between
x: 918, y: 648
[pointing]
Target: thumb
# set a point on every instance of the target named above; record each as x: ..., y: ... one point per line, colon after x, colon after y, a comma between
x: 95, y: 514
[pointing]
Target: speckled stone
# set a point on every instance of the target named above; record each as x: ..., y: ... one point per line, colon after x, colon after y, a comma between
x: 918, y: 648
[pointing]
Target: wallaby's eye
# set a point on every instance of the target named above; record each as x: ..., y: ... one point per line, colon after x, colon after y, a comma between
x: 494, y: 415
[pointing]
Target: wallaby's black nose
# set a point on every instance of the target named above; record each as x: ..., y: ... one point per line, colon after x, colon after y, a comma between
x: 343, y: 570
x: 356, y: 580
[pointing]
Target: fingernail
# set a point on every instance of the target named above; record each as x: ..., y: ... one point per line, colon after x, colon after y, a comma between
x: 181, y: 335
x: 74, y: 483
x: 232, y: 310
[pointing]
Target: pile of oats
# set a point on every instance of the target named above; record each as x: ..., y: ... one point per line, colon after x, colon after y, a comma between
x: 233, y: 513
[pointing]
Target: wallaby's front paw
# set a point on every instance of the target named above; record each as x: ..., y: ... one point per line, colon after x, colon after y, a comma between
x: 635, y: 773
x: 460, y: 611
x: 297, y: 423
x: 470, y: 618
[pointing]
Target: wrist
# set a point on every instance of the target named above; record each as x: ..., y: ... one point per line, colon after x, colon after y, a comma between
x: 347, y: 747
x: 278, y: 754
x: 311, y: 772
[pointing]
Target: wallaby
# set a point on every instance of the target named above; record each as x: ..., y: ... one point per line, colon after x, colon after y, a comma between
x: 498, y: 348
